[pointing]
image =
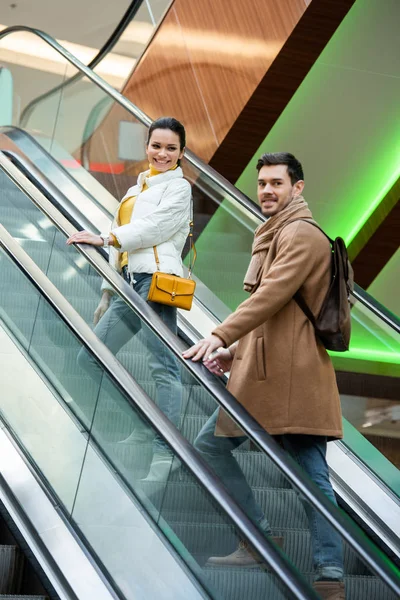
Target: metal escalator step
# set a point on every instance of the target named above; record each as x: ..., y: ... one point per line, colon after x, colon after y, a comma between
x: 282, y: 507
x: 367, y: 588
x: 11, y: 565
x: 191, y: 427
x: 237, y: 584
x: 221, y: 540
x: 260, y: 471
x: 199, y: 403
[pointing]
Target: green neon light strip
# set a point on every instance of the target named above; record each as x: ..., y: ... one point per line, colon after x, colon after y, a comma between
x: 360, y: 224
x: 367, y: 354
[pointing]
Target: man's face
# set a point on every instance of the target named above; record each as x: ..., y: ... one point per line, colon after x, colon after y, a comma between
x: 275, y: 189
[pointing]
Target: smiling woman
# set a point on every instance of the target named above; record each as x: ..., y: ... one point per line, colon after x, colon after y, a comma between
x: 166, y: 142
x: 152, y: 220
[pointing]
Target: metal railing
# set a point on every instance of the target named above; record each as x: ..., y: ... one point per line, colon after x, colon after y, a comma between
x: 311, y: 492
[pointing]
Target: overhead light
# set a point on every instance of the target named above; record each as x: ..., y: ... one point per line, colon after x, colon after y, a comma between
x: 28, y: 50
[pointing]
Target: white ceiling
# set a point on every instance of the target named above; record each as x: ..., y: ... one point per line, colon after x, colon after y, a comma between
x: 87, y: 22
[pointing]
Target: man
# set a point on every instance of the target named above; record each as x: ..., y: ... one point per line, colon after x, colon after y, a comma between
x: 279, y: 370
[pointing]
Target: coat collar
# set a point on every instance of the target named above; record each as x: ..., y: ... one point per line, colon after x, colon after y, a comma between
x: 150, y: 181
x: 156, y: 179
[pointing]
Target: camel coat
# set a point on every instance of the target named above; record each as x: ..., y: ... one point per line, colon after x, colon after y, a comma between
x: 281, y: 372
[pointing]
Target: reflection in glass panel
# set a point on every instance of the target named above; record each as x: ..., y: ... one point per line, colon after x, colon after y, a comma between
x: 135, y: 39
x: 36, y: 397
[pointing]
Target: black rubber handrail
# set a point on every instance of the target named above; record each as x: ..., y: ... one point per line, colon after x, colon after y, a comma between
x: 373, y: 557
x: 283, y: 569
x: 105, y: 49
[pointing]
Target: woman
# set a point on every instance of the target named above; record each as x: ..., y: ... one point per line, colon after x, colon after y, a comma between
x: 154, y: 212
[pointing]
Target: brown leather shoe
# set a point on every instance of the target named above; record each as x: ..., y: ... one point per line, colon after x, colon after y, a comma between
x: 330, y: 590
x: 244, y: 556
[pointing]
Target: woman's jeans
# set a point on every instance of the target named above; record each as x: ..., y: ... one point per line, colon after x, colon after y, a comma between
x: 117, y: 326
x: 309, y: 451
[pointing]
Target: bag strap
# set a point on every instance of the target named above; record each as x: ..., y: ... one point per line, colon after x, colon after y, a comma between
x: 192, y: 247
x: 298, y: 297
x: 304, y: 307
x: 314, y: 224
x: 156, y: 257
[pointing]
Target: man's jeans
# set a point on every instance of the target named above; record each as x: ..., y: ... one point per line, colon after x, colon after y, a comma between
x: 310, y: 452
x: 117, y: 326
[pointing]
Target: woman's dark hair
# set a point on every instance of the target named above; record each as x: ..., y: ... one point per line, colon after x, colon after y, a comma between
x: 172, y: 124
x: 294, y: 167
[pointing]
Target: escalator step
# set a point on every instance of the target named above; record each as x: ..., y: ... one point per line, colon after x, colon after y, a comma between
x: 258, y: 585
x: 236, y: 585
x: 11, y: 565
x: 222, y: 540
x: 184, y: 501
x: 367, y: 588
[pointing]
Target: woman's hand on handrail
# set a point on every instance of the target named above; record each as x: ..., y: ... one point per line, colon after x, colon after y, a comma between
x: 87, y: 237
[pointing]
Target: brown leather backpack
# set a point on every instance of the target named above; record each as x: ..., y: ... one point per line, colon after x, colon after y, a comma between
x: 333, y: 323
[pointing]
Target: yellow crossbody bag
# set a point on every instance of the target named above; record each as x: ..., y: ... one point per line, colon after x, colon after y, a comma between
x: 171, y: 289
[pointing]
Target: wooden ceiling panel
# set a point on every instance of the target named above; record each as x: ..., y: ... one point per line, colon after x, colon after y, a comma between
x: 164, y: 83
x: 206, y: 60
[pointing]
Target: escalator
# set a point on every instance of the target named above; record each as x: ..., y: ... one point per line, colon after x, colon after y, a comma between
x: 230, y: 219
x: 149, y: 540
x: 84, y: 422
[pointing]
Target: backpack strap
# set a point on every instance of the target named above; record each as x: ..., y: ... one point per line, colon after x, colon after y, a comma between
x: 297, y: 296
x: 304, y: 307
x: 314, y: 224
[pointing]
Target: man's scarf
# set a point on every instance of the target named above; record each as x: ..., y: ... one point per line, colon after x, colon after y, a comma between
x: 264, y: 234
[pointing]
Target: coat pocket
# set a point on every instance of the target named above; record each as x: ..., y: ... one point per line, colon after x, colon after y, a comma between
x: 260, y: 358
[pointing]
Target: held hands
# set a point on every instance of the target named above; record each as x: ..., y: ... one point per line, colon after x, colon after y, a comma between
x: 203, y: 349
x: 102, y: 307
x: 85, y: 237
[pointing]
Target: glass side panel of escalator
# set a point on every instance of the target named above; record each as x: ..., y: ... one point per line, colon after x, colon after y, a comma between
x: 152, y: 538
x: 131, y: 446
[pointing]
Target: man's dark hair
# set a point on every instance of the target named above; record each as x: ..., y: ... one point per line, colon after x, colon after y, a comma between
x: 294, y: 167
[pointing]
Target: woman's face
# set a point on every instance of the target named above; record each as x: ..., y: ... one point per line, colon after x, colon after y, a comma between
x: 163, y: 149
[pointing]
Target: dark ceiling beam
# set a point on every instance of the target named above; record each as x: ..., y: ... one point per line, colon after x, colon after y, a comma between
x: 366, y: 385
x: 378, y: 240
x: 279, y: 84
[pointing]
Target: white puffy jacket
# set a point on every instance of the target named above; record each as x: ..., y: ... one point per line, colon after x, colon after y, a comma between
x: 160, y: 217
